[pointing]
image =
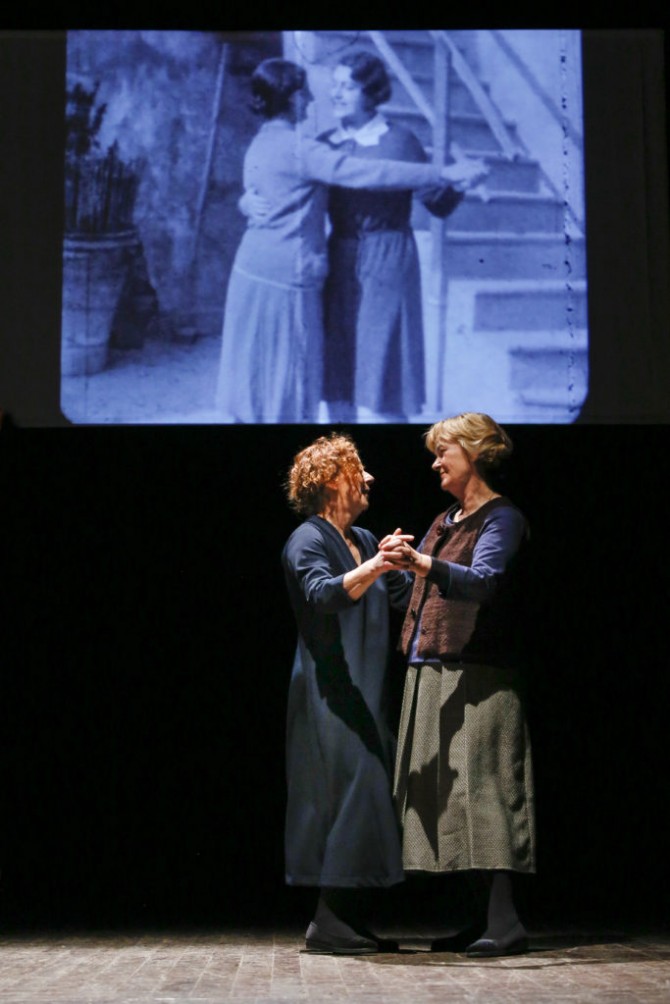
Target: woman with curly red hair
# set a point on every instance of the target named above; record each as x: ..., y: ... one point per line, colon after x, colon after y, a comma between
x: 342, y: 834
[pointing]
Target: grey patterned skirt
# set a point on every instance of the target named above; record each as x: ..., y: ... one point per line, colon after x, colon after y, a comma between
x: 464, y: 778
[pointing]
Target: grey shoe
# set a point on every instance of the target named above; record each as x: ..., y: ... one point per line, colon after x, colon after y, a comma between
x: 515, y: 942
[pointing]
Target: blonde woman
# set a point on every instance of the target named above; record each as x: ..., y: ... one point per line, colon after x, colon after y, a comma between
x: 463, y: 777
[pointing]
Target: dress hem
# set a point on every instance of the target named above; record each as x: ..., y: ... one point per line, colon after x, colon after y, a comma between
x: 531, y: 870
x: 338, y: 882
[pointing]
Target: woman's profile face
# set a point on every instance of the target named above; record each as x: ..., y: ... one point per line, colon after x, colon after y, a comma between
x: 300, y: 102
x: 454, y: 467
x: 353, y: 493
x: 349, y: 101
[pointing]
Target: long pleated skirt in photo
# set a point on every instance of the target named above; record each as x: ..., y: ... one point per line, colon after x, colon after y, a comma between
x: 464, y: 778
x: 271, y: 353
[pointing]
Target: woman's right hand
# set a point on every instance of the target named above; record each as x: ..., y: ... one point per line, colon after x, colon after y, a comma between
x: 379, y: 563
x: 387, y: 559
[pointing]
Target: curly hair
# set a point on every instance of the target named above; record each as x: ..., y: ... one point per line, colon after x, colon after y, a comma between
x: 478, y: 434
x: 316, y: 465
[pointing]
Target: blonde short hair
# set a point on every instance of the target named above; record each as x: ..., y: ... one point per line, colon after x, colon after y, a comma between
x: 478, y: 434
x: 315, y: 466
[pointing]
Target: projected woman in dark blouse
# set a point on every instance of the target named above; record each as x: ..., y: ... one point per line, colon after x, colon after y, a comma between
x: 374, y: 352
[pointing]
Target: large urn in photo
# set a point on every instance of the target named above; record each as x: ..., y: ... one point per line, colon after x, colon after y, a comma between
x: 100, y: 240
x: 95, y: 269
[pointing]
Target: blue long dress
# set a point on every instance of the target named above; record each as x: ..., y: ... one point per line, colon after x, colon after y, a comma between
x: 341, y: 826
x: 373, y: 313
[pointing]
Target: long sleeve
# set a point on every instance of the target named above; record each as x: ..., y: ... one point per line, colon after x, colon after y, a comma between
x: 308, y: 569
x: 498, y: 542
x: 399, y: 585
x: 440, y: 200
x: 319, y: 162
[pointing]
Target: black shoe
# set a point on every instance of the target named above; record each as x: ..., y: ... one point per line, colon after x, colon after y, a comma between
x: 332, y: 944
x: 515, y: 942
x: 458, y: 942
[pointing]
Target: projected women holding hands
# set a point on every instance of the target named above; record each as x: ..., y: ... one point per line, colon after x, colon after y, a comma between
x: 272, y: 345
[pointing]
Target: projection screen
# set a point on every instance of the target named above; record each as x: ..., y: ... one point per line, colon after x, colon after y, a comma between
x: 224, y: 265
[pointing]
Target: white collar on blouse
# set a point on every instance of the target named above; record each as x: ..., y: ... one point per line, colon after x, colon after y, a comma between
x: 367, y: 135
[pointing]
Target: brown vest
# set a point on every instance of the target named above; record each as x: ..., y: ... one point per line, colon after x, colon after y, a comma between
x: 447, y: 626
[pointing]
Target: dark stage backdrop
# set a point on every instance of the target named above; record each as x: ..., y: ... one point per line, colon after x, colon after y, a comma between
x: 147, y: 645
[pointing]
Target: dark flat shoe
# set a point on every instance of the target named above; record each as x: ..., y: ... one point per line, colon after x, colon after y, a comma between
x: 457, y: 942
x: 515, y: 942
x: 321, y: 943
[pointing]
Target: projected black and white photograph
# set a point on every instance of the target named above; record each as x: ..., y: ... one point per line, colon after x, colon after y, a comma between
x: 323, y: 227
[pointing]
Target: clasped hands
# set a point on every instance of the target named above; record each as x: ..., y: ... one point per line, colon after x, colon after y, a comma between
x: 465, y: 173
x: 397, y: 552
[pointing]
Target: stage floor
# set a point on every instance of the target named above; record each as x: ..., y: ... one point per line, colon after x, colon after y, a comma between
x: 269, y: 967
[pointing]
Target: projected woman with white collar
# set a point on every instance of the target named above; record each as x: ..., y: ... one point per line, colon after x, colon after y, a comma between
x: 374, y: 355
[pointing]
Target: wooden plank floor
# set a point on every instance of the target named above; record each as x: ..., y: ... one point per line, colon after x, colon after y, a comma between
x: 269, y: 967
